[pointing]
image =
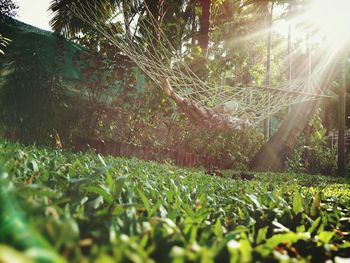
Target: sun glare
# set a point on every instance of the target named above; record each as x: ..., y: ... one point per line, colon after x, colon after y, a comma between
x: 332, y: 19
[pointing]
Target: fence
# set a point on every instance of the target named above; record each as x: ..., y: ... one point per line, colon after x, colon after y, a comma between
x: 333, y: 138
x: 176, y: 156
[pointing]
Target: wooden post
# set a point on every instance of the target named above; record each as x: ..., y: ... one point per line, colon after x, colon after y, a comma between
x: 267, y: 121
x: 341, y: 124
x: 290, y: 54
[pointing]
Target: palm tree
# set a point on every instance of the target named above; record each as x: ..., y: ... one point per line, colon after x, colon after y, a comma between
x: 7, y: 8
x: 65, y: 22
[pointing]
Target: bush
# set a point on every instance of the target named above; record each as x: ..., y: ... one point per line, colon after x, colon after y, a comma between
x: 315, y: 156
x: 37, y: 107
x: 321, y: 160
x: 231, y: 149
x: 145, y: 117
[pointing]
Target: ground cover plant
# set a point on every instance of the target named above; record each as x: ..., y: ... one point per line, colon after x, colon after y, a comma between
x: 73, y: 207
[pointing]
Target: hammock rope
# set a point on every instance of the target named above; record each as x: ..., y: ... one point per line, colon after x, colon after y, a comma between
x: 144, y: 42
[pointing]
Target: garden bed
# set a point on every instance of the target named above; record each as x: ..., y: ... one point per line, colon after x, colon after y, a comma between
x: 58, y: 206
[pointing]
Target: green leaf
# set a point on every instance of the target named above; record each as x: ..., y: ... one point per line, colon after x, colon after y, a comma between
x: 104, y: 258
x: 241, y: 213
x: 286, y: 238
x: 233, y: 247
x: 218, y: 229
x: 99, y: 191
x: 145, y: 201
x: 110, y: 182
x: 178, y: 253
x: 345, y: 245
x: 314, y: 225
x: 33, y: 165
x: 119, y: 184
x: 6, y: 39
x: 326, y: 236
x: 262, y: 234
x: 9, y: 254
x: 318, y: 135
x: 246, y: 248
x: 37, y: 190
x: 316, y: 205
x: 254, y: 199
x: 300, y: 229
x: 163, y: 212
x: 101, y: 160
x: 97, y: 202
x: 297, y: 202
x: 280, y: 226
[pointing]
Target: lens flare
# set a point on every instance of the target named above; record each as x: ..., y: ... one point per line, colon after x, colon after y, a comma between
x: 331, y: 19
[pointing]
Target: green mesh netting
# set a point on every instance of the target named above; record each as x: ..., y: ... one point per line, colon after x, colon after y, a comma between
x: 55, y: 51
x: 57, y: 55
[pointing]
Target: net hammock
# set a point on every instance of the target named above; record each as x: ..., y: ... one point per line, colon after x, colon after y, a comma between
x: 141, y: 38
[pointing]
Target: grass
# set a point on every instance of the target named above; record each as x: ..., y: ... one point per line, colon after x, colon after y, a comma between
x: 64, y: 207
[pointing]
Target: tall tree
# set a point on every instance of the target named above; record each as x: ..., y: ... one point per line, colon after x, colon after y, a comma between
x: 65, y: 22
x: 8, y: 8
x: 204, y: 25
x: 267, y: 121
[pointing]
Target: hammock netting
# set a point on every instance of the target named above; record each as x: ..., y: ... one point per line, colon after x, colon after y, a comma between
x: 141, y: 38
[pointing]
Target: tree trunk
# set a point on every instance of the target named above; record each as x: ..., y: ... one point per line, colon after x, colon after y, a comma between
x: 267, y: 121
x: 204, y: 26
x: 193, y: 27
x: 273, y: 155
x: 341, y: 125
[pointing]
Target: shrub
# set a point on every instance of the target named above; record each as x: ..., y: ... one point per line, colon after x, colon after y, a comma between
x: 231, y: 149
x: 315, y: 156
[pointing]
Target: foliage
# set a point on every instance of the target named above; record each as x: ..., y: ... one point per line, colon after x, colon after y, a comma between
x: 32, y: 107
x: 239, y: 48
x: 294, y: 163
x: 113, y: 100
x: 237, y: 33
x: 322, y: 161
x: 231, y: 149
x: 145, y: 117
x: 89, y: 208
x: 4, y: 41
x: 121, y: 104
x: 321, y: 158
x: 230, y: 23
x: 8, y: 8
x: 317, y: 157
x: 116, y: 100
